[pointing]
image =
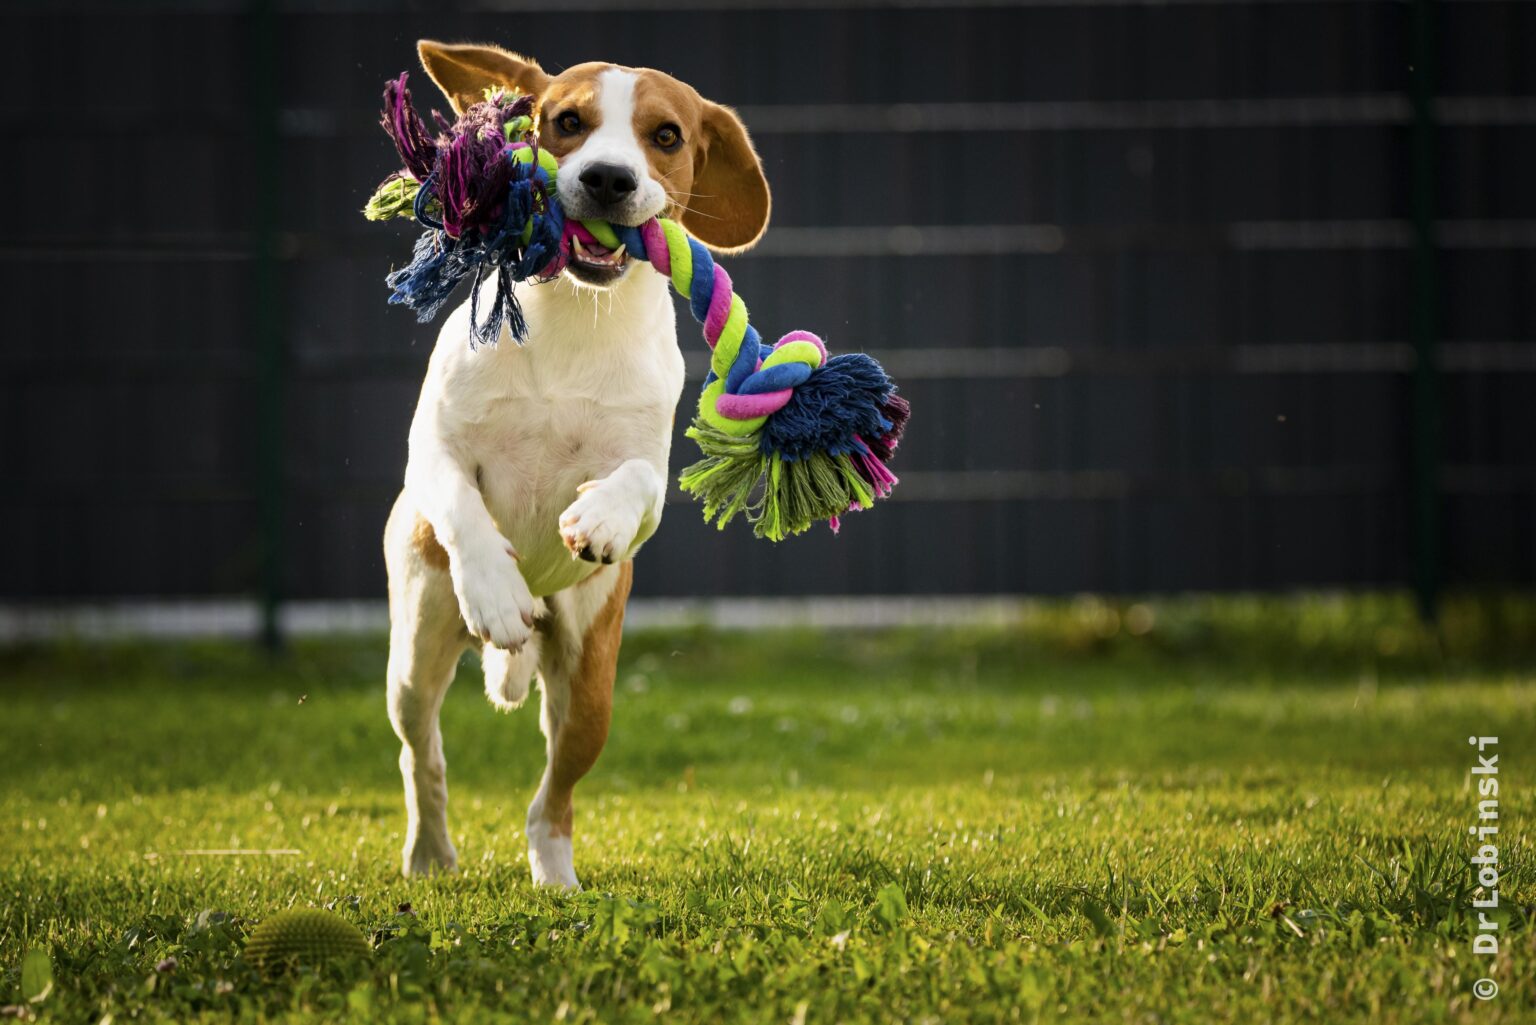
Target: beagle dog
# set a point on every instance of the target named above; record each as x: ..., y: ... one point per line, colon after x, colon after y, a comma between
x: 537, y: 470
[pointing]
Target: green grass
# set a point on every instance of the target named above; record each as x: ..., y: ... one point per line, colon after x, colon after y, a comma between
x: 1247, y: 812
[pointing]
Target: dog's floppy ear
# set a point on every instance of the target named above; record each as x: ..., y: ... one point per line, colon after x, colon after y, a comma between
x: 464, y: 71
x: 729, y: 207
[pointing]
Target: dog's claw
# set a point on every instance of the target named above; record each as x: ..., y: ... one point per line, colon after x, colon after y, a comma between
x: 601, y: 525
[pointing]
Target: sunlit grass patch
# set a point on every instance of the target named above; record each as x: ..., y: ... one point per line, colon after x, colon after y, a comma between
x: 907, y: 826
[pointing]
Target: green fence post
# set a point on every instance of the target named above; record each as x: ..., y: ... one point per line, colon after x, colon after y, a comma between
x: 1424, y: 317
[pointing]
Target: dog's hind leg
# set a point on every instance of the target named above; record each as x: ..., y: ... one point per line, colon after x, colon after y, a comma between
x: 509, y: 674
x: 426, y: 638
x: 576, y: 668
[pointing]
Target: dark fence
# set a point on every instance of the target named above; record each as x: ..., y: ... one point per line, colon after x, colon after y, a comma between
x: 1185, y: 295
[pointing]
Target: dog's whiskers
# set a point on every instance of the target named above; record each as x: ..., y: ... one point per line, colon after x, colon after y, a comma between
x: 685, y: 208
x: 662, y: 181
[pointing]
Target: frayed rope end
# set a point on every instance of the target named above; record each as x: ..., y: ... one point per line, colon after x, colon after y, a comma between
x: 780, y: 497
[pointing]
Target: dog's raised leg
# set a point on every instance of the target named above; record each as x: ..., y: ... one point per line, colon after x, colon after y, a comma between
x: 577, y: 663
x: 426, y: 638
x: 493, y: 598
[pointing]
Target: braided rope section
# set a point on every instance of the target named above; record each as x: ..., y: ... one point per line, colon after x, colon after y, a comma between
x: 789, y: 434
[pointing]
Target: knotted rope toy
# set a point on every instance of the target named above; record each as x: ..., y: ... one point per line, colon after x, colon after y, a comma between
x: 807, y: 434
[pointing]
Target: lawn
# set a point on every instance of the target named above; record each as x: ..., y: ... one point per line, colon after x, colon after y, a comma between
x: 1195, y: 811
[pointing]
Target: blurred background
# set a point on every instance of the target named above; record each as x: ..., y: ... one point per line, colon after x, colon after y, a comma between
x: 1187, y: 296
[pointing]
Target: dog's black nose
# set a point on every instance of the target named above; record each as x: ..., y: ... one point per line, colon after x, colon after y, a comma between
x: 608, y: 183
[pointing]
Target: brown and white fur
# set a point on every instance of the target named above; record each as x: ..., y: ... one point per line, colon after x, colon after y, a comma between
x: 536, y: 471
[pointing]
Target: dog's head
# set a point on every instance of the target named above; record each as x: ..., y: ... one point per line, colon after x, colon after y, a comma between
x: 632, y: 143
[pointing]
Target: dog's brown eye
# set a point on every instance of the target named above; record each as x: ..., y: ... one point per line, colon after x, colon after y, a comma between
x: 569, y: 123
x: 668, y: 137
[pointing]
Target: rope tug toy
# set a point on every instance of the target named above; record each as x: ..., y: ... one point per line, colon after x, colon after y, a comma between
x: 808, y: 434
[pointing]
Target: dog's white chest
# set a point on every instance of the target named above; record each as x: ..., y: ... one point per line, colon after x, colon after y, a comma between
x: 556, y: 445
x: 595, y: 384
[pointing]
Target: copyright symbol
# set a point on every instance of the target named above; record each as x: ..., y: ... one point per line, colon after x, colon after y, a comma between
x: 1485, y: 989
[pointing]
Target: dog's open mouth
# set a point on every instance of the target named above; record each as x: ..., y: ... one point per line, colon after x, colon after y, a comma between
x: 594, y: 263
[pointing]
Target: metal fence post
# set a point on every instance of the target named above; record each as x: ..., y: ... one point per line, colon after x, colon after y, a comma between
x: 1424, y: 317
x: 267, y: 322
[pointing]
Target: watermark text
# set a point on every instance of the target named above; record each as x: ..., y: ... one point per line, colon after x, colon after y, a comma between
x: 1485, y: 831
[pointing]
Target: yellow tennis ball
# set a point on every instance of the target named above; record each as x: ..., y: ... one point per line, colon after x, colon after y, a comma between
x: 303, y: 936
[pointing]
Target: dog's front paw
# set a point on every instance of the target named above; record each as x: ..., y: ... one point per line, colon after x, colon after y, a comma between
x: 429, y: 855
x: 493, y: 597
x: 600, y: 526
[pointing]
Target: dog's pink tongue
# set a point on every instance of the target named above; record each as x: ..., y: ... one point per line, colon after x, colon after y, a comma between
x: 573, y: 230
x: 589, y: 242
